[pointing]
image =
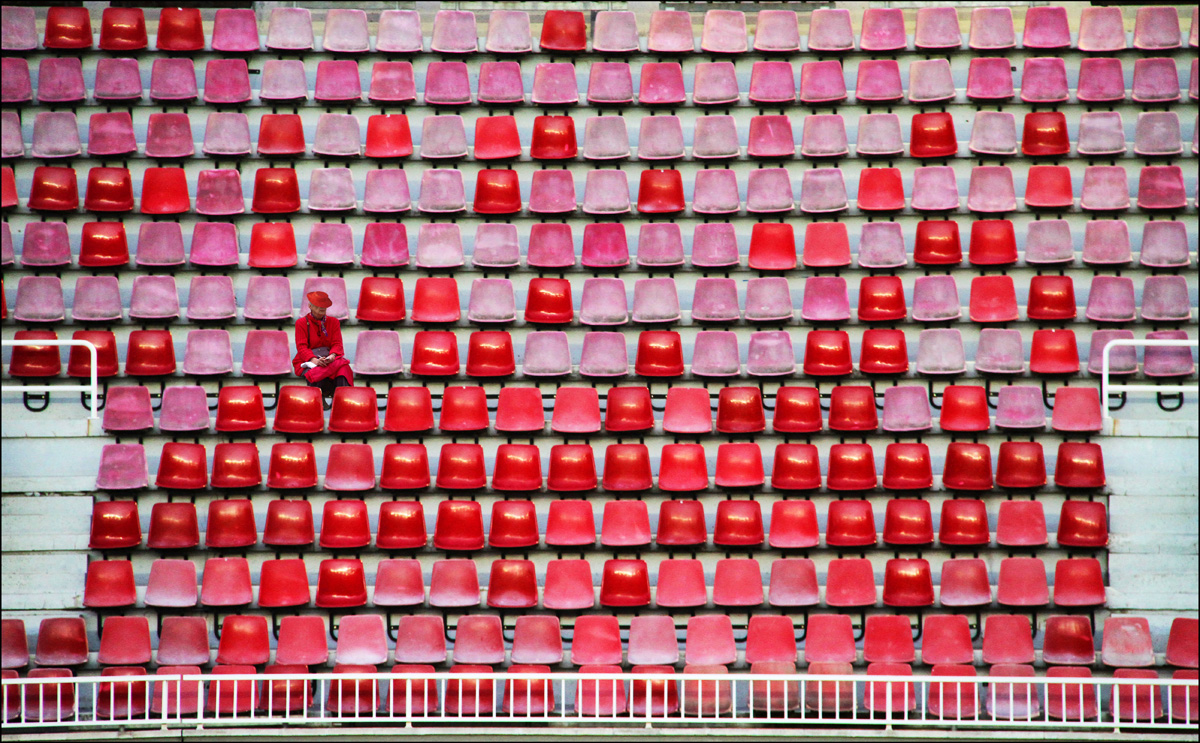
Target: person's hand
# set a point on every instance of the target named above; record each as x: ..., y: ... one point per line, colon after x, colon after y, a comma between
x: 323, y: 361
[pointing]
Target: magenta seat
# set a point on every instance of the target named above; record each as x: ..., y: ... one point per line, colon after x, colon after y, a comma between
x: 822, y: 82
x: 1155, y: 80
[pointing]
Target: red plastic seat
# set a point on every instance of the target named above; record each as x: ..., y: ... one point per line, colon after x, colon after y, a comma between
x: 341, y: 583
x: 881, y: 299
x: 1078, y: 582
x: 16, y: 647
x: 624, y: 583
x: 772, y: 246
x: 283, y: 583
x: 240, y: 410
x: 1021, y: 465
x: 568, y: 585
x: 907, y: 582
x: 933, y: 135
x: 964, y: 522
x: 272, y: 245
x: 1077, y: 410
x: 293, y: 466
x: 597, y: 639
x: 512, y: 584
x: 109, y: 584
x: 115, y: 525
x: 355, y: 410
x: 230, y: 525
x: 738, y: 583
x: 993, y: 299
x: 401, y: 525
x: 660, y: 191
x: 967, y: 467
x: 1022, y: 582
x: 460, y: 467
x: 68, y: 28
x: 625, y: 524
x: 738, y: 523
x: 850, y: 583
x: 796, y: 467
x: 851, y: 467
x: 680, y: 584
x: 710, y: 641
x: 1049, y: 187
x: 470, y: 696
x: 888, y: 639
x: 993, y: 243
x: 435, y: 353
x: 570, y: 524
x: 409, y: 410
x: 852, y: 408
x: 1007, y: 638
x: 459, y: 526
x: 1045, y: 134
x: 628, y: 409
x: 226, y: 582
x: 1182, y: 644
x: 908, y: 522
x: 276, y: 191
x: 180, y: 30
x: 454, y: 584
x: 573, y: 468
x: 682, y: 468
x: 1136, y: 702
x: 880, y: 189
x: 827, y: 353
x: 1051, y: 298
x: 681, y: 524
x: 344, y: 522
x: 829, y: 639
x: 797, y: 410
x: 519, y: 410
x: 289, y: 524
x: 937, y: 243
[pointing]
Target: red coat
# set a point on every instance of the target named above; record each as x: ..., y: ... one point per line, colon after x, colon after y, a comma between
x: 310, y: 336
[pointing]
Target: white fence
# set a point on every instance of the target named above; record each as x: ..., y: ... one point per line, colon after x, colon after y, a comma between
x: 662, y: 700
x: 1107, y: 387
x: 93, y: 385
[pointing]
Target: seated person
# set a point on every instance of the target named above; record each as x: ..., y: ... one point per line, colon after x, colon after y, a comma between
x: 320, y: 357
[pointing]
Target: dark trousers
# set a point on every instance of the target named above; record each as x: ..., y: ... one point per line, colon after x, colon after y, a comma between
x: 329, y: 385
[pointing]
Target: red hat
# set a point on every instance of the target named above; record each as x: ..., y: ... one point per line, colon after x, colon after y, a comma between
x: 319, y: 299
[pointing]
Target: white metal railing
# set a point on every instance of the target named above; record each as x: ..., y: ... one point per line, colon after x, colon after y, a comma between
x: 654, y: 700
x: 1107, y: 386
x: 93, y: 386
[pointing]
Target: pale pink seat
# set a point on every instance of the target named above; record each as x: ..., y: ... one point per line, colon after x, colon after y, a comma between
x: 989, y: 79
x: 225, y: 134
x: 442, y: 192
x: 715, y: 354
x: 991, y: 189
x: 338, y: 135
x: 826, y: 299
x: 335, y: 287
x: 159, y: 245
x: 211, y: 298
x: 1155, y: 80
x: 724, y: 32
x: 655, y: 300
x: 60, y: 81
x: 769, y: 299
x: 439, y: 246
x: 715, y: 192
x: 20, y: 29
x: 290, y: 29
x: 268, y: 299
x: 446, y: 84
x: 1105, y: 188
x: 46, y: 245
x: 1101, y: 133
x: 823, y: 191
x: 1164, y: 245
x: 97, y: 299
x: 385, y: 244
x: 906, y: 410
x: 1165, y: 299
x: 606, y: 192
x: 992, y: 28
x: 994, y: 133
x: 1101, y: 80
x: 492, y: 301
x: 1102, y: 30
x: 769, y: 190
x: 881, y: 245
x: 1106, y: 243
x: 770, y: 354
x: 822, y: 82
x: 615, y: 32
x: 123, y: 466
x: 940, y: 352
x: 605, y: 245
x: 268, y: 353
x: 1111, y: 299
x: 771, y: 137
x: 219, y: 193
x: 169, y: 135
x: 508, y: 32
x: 1044, y: 80
x: 610, y: 83
x: 12, y: 143
x: 1122, y: 360
x: 776, y: 32
x: 935, y: 299
x: 392, y: 82
x: 1168, y: 361
x: 660, y: 138
x: 934, y: 189
x: 496, y: 246
x: 377, y: 353
x: 552, y: 192
x: 454, y: 32
x: 117, y: 79
x: 715, y: 138
x: 1161, y: 187
x: 716, y: 300
x: 882, y: 30
x: 442, y: 137
x: 1157, y: 134
x: 605, y: 138
x: 1046, y: 27
x: 829, y: 30
x: 547, y: 354
x: 661, y: 84
x: 111, y: 134
x: 930, y: 81
x: 55, y: 134
x: 670, y: 32
x: 330, y: 244
x: 338, y: 82
x: 128, y: 409
x: 185, y: 409
x: 714, y: 245
x: 386, y: 192
x: 715, y: 84
x: 18, y: 86
x: 208, y: 353
x: 1048, y: 243
x: 554, y: 84
x: 878, y: 81
x: 283, y: 80
x: 500, y: 84
x: 879, y: 135
x: 399, y: 32
x: 172, y: 80
x: 604, y: 355
x: 235, y: 31
x: 332, y: 190
x: 1156, y: 27
x: 603, y: 302
x: 772, y: 82
x: 214, y: 244
x: 1020, y: 408
x: 660, y: 245
x: 937, y: 29
x: 226, y: 82
x: 154, y: 298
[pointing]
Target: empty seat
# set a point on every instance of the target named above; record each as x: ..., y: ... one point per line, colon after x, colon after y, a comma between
x: 1126, y: 642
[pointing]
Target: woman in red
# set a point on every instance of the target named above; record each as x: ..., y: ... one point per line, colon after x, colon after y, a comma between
x: 320, y: 357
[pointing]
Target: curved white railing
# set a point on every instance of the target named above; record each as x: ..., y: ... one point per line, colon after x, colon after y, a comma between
x: 591, y: 699
x: 93, y: 386
x: 1107, y: 386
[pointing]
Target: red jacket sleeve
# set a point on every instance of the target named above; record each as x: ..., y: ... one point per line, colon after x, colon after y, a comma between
x: 333, y: 327
x: 303, y: 351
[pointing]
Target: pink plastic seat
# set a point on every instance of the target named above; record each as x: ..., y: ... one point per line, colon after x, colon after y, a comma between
x: 60, y: 81
x: 605, y: 138
x: 345, y: 31
x: 661, y: 84
x: 605, y: 193
x: 391, y: 82
x: 992, y: 28
x: 508, y: 32
x: 20, y: 33
x: 1044, y: 80
x: 610, y: 83
x: 604, y: 355
x: 1111, y: 299
x: 1101, y: 133
x: 829, y: 30
x: 454, y: 32
x: 1046, y: 27
x: 930, y: 81
x: 882, y: 30
x: 1156, y: 27
x: 822, y: 82
x: 1157, y: 134
x: 772, y: 82
x: 1101, y: 30
x: 55, y: 135
x: 1126, y: 642
x: 670, y: 32
x: 1160, y: 187
x: 500, y: 84
x: 1155, y: 80
x: 660, y: 138
x: 554, y: 84
x: 776, y: 31
x: 615, y: 32
x: 715, y: 84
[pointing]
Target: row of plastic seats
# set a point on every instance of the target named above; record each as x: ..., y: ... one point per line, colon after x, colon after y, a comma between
x: 991, y: 190
x: 793, y: 524
x: 346, y: 31
x: 303, y: 641
x: 605, y: 139
x: 1044, y: 80
x: 682, y: 468
x: 605, y: 247
x: 513, y: 584
x: 604, y: 301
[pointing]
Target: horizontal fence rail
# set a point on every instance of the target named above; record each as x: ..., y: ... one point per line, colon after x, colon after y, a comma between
x: 93, y: 386
x: 1107, y: 387
x: 642, y: 699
